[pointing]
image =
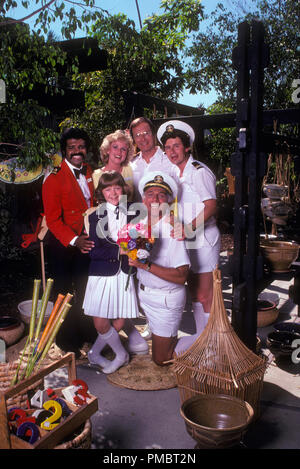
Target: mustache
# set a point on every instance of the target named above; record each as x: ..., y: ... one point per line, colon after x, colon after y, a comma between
x: 77, y: 153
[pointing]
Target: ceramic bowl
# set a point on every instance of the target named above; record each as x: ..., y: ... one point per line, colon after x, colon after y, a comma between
x: 292, y: 327
x: 216, y: 420
x: 11, y: 329
x: 25, y: 311
x: 279, y: 254
x: 280, y: 342
x: 275, y: 191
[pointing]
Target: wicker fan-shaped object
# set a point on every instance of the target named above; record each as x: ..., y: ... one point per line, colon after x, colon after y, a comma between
x: 218, y: 362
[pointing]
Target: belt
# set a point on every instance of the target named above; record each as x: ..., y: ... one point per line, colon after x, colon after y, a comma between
x: 158, y: 290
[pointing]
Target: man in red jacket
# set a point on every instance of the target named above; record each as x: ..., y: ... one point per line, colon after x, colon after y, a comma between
x: 67, y: 194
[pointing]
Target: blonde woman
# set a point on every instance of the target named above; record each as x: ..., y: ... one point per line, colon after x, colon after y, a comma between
x: 116, y: 152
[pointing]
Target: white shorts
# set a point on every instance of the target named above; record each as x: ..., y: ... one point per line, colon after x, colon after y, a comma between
x: 163, y: 309
x: 204, y: 259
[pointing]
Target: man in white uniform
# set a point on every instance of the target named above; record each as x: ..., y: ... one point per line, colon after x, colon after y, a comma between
x: 161, y: 289
x: 150, y: 157
x: 198, y: 207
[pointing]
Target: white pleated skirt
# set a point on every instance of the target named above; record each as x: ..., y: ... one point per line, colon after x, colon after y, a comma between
x: 105, y: 297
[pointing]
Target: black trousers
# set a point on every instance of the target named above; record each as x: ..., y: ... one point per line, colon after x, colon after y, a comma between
x: 69, y: 269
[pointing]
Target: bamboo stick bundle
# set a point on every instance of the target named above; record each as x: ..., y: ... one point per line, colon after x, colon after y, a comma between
x: 38, y: 344
x: 218, y: 362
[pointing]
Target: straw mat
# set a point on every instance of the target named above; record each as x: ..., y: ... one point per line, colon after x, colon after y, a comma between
x: 142, y: 374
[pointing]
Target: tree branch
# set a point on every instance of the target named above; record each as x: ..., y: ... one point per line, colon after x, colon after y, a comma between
x: 12, y: 21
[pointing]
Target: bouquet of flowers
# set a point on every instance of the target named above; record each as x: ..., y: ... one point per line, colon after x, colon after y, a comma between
x: 135, y: 241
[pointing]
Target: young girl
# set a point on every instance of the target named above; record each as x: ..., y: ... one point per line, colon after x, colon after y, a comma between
x: 105, y: 297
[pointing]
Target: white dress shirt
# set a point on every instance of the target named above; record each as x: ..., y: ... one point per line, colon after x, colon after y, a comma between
x: 159, y: 161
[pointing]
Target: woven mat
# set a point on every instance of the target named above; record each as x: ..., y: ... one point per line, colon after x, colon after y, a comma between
x: 142, y: 374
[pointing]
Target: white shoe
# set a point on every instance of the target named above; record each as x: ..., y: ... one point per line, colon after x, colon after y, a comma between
x: 97, y: 359
x: 137, y: 349
x: 147, y: 334
x: 116, y: 364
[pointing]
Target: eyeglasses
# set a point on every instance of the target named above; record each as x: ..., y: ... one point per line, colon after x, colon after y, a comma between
x: 142, y: 134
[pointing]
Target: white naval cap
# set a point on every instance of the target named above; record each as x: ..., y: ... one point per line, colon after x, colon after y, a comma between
x: 173, y: 125
x: 158, y: 179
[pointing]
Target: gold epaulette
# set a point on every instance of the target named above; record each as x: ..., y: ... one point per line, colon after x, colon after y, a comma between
x: 197, y: 165
x: 56, y: 170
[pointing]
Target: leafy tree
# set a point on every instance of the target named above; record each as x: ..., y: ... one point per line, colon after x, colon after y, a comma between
x: 211, y: 50
x: 52, y: 11
x: 148, y: 61
x: 27, y: 62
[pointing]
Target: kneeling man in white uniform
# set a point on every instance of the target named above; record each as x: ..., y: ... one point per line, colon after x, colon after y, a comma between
x: 161, y: 290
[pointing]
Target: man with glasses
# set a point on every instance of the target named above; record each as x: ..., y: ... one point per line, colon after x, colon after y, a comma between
x: 150, y: 157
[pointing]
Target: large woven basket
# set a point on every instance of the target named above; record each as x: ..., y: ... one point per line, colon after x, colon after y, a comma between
x: 219, y: 362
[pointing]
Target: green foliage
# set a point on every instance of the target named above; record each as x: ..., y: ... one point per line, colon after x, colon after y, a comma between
x: 47, y: 12
x: 211, y: 51
x: 221, y: 142
x: 148, y: 61
x: 27, y: 62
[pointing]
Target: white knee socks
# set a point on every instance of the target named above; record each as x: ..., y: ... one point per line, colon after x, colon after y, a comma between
x: 134, y: 337
x: 112, y: 338
x: 94, y: 354
x: 201, y: 319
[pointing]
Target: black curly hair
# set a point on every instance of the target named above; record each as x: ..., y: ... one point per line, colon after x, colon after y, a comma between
x: 77, y: 134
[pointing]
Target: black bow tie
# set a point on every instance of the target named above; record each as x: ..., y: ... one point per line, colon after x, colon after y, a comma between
x: 77, y: 172
x: 116, y: 211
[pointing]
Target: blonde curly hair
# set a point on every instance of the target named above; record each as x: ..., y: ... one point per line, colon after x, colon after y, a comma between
x: 113, y: 137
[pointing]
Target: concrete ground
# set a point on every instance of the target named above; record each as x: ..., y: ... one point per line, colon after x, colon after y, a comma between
x: 150, y: 420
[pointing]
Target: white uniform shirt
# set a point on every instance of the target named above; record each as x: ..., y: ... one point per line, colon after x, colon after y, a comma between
x: 196, y: 185
x: 159, y: 161
x: 166, y: 252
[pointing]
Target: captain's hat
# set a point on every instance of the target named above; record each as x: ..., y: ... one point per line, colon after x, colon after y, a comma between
x: 171, y: 127
x: 158, y: 179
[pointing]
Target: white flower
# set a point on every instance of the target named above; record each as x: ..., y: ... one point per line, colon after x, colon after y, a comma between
x: 142, y: 254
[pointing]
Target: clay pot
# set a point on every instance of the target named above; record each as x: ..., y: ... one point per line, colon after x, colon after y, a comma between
x: 11, y: 329
x: 267, y: 313
x: 216, y: 420
x: 280, y: 254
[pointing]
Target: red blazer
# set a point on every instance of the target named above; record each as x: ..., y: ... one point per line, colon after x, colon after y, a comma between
x: 64, y: 203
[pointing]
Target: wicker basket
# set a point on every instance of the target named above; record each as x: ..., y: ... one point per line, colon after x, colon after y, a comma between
x: 219, y: 362
x: 83, y: 440
x: 7, y: 372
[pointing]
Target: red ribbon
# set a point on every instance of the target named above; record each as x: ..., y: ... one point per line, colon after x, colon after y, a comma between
x: 32, y: 237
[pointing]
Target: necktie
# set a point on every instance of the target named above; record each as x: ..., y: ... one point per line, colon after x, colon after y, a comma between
x: 77, y: 172
x: 116, y: 211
